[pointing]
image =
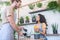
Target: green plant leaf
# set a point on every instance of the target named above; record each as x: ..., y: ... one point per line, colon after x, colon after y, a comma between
x: 55, y: 26
x: 0, y: 15
x: 0, y: 20
x: 39, y: 5
x: 7, y: 3
x: 27, y: 17
x: 21, y: 20
x: 58, y: 8
x: 31, y: 6
x: 52, y: 5
x: 1, y: 3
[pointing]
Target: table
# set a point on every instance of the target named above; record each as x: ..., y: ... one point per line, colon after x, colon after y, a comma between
x: 49, y: 36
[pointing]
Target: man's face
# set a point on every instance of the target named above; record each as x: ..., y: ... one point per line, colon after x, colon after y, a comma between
x: 18, y: 4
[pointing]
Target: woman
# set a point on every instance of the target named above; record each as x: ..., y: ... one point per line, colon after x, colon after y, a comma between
x: 40, y: 27
x: 8, y: 27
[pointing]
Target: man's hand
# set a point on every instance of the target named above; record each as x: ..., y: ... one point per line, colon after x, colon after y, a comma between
x: 20, y: 27
x: 20, y: 33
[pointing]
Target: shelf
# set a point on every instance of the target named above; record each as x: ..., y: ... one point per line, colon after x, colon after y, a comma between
x: 39, y: 11
x: 5, y: 1
x: 1, y: 2
x: 53, y: 34
x: 27, y: 24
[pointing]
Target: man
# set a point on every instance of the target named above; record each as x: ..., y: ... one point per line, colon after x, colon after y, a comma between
x: 9, y: 25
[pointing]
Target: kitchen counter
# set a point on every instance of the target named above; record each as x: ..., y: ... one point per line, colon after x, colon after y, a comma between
x: 49, y: 37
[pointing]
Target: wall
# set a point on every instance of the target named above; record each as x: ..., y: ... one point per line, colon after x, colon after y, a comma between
x: 51, y: 17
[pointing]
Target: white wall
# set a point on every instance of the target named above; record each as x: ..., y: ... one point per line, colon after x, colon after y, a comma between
x: 51, y: 17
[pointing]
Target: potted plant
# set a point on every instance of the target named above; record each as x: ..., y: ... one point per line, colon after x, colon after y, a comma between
x: 58, y: 8
x: 55, y: 28
x: 0, y: 15
x: 7, y: 3
x: 0, y: 18
x: 1, y: 3
x: 39, y: 4
x: 21, y: 20
x: 52, y: 5
x: 27, y: 19
x: 14, y: 35
x: 34, y: 18
x: 31, y: 6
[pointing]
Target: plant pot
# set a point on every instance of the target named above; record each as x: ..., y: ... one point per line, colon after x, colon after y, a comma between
x: 27, y: 21
x: 33, y: 19
x: 55, y: 32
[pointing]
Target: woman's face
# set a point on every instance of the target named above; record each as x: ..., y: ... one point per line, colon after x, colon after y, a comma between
x: 37, y: 18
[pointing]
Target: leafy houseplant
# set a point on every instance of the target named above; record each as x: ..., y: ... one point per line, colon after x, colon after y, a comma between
x: 34, y: 18
x: 31, y: 6
x: 27, y: 19
x: 1, y: 3
x: 52, y: 5
x: 7, y: 3
x: 0, y: 18
x: 39, y: 5
x: 14, y: 35
x: 55, y: 28
x: 58, y: 8
x: 21, y: 20
x: 0, y: 15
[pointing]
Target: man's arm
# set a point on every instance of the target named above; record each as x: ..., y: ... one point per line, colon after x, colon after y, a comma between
x: 10, y: 18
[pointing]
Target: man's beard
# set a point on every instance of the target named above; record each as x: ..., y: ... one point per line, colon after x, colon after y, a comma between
x: 16, y: 7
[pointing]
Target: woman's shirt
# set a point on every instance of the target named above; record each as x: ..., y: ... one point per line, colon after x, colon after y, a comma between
x: 38, y: 27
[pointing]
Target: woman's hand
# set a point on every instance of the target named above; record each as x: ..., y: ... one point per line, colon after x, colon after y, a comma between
x: 36, y: 30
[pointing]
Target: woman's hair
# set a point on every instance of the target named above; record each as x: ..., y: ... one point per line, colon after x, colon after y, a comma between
x: 42, y: 19
x: 15, y: 0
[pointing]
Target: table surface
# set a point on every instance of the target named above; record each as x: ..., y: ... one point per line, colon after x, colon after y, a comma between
x: 49, y: 36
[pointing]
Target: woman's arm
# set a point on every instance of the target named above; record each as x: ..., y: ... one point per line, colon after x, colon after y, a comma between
x: 43, y: 28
